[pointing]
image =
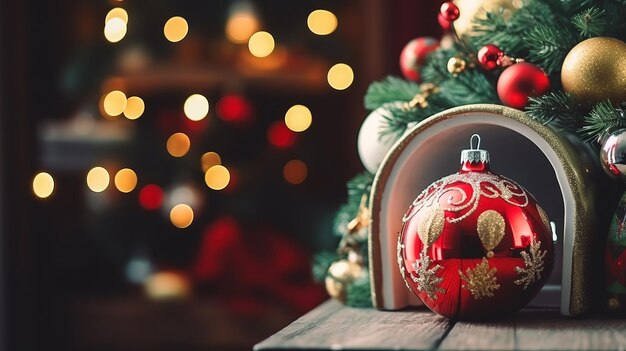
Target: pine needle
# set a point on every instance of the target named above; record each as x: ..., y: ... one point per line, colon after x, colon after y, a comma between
x: 603, y: 119
x: 556, y: 109
x: 390, y: 89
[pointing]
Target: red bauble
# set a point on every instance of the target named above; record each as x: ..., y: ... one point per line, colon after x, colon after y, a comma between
x: 488, y: 56
x: 413, y: 56
x: 520, y: 81
x: 443, y: 23
x: 449, y: 11
x: 475, y: 245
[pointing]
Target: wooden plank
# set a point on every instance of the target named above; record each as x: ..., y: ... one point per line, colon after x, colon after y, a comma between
x: 480, y: 336
x: 547, y: 330
x: 333, y: 326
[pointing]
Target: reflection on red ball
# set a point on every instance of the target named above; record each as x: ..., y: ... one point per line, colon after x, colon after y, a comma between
x: 520, y: 81
x: 413, y: 56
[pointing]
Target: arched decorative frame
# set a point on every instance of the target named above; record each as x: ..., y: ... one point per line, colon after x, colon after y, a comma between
x: 417, y: 159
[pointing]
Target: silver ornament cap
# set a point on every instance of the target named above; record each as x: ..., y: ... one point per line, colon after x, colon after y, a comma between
x: 474, y: 154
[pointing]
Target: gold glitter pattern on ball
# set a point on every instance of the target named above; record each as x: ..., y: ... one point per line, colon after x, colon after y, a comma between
x: 490, y: 227
x: 480, y: 281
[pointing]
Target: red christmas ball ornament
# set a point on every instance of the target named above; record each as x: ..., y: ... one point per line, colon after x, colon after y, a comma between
x: 520, y: 81
x: 475, y: 245
x: 443, y: 23
x: 488, y: 56
x: 413, y: 56
x: 449, y: 11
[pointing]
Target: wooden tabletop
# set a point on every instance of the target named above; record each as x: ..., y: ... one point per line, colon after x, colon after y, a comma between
x: 333, y: 326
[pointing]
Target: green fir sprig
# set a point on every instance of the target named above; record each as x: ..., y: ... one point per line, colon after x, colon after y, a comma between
x: 603, y: 119
x: 556, y: 109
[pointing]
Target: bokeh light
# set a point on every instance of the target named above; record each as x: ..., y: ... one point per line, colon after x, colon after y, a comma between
x: 98, y: 179
x: 217, y: 177
x: 210, y: 159
x: 298, y: 118
x: 151, y: 197
x: 114, y: 103
x: 167, y: 285
x: 340, y: 76
x: 196, y: 107
x: 234, y: 108
x: 43, y: 185
x: 178, y: 144
x: 322, y: 22
x: 117, y: 12
x: 175, y: 29
x: 115, y: 29
x: 134, y: 107
x: 280, y: 136
x: 181, y: 216
x: 295, y: 172
x: 125, y: 180
x: 240, y: 27
x: 261, y: 44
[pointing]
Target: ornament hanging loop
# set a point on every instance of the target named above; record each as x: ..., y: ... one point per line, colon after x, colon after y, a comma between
x: 477, y: 142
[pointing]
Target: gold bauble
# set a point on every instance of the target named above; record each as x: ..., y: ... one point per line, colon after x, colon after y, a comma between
x: 595, y: 70
x: 471, y: 9
x: 456, y: 65
x: 340, y: 274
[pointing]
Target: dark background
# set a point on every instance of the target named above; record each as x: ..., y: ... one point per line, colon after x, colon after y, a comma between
x: 246, y: 257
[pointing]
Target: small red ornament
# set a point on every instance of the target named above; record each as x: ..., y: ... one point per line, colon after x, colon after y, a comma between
x: 413, y: 56
x: 520, y: 81
x: 443, y: 23
x: 488, y: 56
x: 449, y: 11
x: 475, y: 245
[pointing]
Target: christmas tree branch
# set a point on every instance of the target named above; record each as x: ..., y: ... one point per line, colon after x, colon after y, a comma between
x: 556, y: 109
x: 603, y: 119
x: 390, y: 89
x: 591, y: 22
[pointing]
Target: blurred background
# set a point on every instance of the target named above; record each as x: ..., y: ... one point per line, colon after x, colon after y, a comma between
x: 170, y: 167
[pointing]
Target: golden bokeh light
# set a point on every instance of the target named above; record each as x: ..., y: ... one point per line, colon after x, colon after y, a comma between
x: 196, y: 107
x: 178, y: 144
x: 175, y: 29
x: 167, y: 286
x: 98, y: 179
x: 340, y: 76
x: 114, y: 103
x: 210, y: 159
x: 241, y: 26
x: 125, y: 180
x: 322, y: 22
x: 43, y: 185
x: 134, y: 107
x: 217, y: 177
x: 117, y: 12
x: 298, y: 118
x: 261, y: 44
x: 181, y: 216
x: 115, y: 29
x: 295, y: 172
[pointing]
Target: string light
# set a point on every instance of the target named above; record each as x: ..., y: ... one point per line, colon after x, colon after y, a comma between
x: 196, y: 107
x: 114, y: 103
x: 125, y: 180
x: 43, y: 185
x: 115, y: 29
x: 217, y: 177
x: 322, y: 22
x: 181, y: 216
x: 210, y: 159
x: 298, y: 118
x: 117, y: 12
x: 340, y: 76
x: 178, y: 144
x: 134, y: 107
x: 240, y: 26
x: 295, y: 172
x: 280, y: 136
x: 151, y: 197
x: 98, y: 179
x: 175, y: 29
x: 261, y: 44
